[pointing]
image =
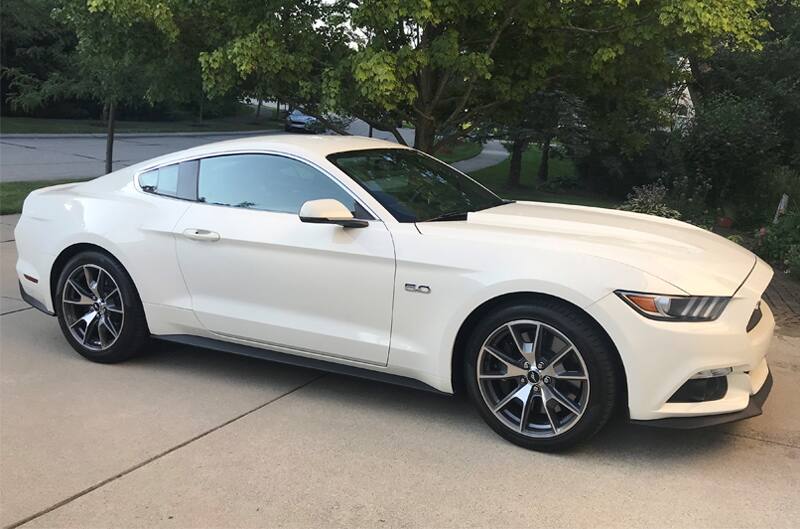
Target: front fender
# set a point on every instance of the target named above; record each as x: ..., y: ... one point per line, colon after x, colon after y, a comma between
x: 425, y: 326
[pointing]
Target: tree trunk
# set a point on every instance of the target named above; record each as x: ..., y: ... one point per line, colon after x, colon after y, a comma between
x: 544, y: 163
x: 110, y: 136
x: 278, y: 109
x: 697, y: 84
x: 201, y: 108
x: 515, y: 167
x: 258, y: 108
x: 424, y: 135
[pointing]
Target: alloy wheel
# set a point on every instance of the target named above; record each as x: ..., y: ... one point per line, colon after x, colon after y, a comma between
x: 533, y: 378
x: 93, y: 308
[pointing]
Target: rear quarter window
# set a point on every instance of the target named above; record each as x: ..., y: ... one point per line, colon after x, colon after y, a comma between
x: 175, y: 180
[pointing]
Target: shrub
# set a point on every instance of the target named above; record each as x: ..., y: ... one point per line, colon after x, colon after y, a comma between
x: 651, y: 200
x: 734, y: 143
x: 689, y: 196
x: 781, y: 245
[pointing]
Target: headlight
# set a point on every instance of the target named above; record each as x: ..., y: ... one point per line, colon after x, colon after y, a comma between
x: 675, y: 308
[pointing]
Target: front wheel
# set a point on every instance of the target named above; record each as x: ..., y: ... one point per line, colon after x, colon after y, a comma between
x: 541, y: 374
x: 99, y: 310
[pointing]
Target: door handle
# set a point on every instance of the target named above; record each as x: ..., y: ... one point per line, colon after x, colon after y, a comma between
x: 200, y: 235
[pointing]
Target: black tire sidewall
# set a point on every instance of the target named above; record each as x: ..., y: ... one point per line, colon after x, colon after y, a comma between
x: 594, y: 349
x: 132, y: 336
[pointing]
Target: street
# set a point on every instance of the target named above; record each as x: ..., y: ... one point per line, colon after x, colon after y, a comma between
x: 185, y: 437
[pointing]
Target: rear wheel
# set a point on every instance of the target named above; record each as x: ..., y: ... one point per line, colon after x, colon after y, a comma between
x: 99, y: 310
x: 541, y: 374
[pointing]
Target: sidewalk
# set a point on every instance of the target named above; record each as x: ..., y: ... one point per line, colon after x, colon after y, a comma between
x: 492, y: 154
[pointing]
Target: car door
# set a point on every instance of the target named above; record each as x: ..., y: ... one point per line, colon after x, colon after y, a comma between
x: 255, y: 272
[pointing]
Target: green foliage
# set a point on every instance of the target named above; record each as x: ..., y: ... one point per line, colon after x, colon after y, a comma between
x: 689, y: 196
x: 769, y: 74
x: 732, y: 141
x: 650, y: 199
x: 121, y: 46
x: 33, y: 47
x: 781, y: 245
x: 446, y: 65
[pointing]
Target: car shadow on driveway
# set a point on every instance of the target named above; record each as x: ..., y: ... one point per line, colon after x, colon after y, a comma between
x: 381, y: 401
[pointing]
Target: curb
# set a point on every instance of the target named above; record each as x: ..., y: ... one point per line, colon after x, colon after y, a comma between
x: 142, y: 134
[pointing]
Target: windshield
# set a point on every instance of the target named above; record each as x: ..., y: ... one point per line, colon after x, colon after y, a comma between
x: 414, y: 187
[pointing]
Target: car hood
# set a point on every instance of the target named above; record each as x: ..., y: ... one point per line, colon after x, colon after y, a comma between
x: 690, y: 258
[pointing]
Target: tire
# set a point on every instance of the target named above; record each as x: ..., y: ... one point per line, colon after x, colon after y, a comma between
x: 105, y: 303
x: 559, y: 412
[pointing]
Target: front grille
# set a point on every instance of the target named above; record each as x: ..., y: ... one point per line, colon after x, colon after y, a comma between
x: 755, y: 317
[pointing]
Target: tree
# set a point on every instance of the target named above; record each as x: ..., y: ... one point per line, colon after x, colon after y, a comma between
x: 119, y: 53
x: 278, y: 49
x: 33, y: 46
x: 539, y: 119
x: 743, y: 142
x: 769, y: 74
x: 443, y: 66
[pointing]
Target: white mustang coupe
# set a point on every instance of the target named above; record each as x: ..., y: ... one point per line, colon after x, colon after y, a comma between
x: 363, y: 257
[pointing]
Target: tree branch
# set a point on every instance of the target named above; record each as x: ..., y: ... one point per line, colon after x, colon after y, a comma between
x: 601, y: 31
x: 394, y: 131
x: 490, y: 49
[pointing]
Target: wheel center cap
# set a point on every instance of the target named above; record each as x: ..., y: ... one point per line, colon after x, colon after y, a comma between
x: 533, y: 376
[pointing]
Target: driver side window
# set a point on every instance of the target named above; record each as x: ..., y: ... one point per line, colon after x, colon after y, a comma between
x: 269, y: 183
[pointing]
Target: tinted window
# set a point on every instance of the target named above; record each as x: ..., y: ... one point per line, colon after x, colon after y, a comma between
x: 414, y: 187
x: 168, y: 180
x: 176, y: 180
x: 266, y: 182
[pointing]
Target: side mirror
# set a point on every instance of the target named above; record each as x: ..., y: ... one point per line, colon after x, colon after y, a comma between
x: 329, y: 211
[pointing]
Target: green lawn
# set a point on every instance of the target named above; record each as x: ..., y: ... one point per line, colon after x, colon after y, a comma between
x: 460, y: 151
x: 496, y: 179
x: 14, y: 125
x: 12, y: 194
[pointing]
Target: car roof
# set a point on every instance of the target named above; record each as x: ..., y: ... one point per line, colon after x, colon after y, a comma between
x: 302, y: 145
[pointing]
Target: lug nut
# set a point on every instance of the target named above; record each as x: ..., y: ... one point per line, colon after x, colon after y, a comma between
x: 523, y: 380
x: 547, y: 380
x: 540, y: 365
x: 526, y: 365
x: 536, y: 388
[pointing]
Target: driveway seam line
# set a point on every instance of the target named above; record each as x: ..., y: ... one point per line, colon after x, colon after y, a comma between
x: 769, y: 441
x: 156, y: 457
x: 16, y: 310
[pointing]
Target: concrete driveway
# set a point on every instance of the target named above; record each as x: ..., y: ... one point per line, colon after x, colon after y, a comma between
x: 184, y: 437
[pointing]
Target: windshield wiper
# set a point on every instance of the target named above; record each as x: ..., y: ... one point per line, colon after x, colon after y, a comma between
x: 452, y: 215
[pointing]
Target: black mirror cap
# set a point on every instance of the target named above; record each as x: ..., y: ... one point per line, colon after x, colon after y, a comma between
x: 345, y: 223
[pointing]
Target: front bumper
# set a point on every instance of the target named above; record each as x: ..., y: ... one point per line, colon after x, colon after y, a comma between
x: 659, y: 357
x: 753, y: 409
x: 306, y: 126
